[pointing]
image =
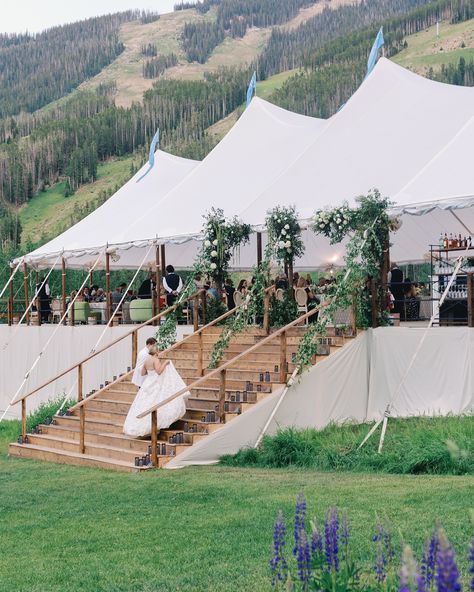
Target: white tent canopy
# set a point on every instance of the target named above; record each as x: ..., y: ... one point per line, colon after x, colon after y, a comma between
x: 167, y: 205
x: 401, y: 133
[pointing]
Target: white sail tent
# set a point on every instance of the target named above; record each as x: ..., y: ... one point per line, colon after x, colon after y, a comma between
x: 167, y: 205
x: 401, y: 133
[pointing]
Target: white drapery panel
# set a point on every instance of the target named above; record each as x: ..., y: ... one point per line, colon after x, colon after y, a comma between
x: 355, y: 385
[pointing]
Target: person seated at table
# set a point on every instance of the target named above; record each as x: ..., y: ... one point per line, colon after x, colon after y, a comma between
x: 86, y: 294
x: 309, y: 279
x: 93, y: 291
x: 99, y: 295
x: 281, y: 282
x: 173, y: 284
x: 146, y: 288
x: 243, y: 287
x: 213, y: 292
x: 131, y: 296
x: 116, y: 296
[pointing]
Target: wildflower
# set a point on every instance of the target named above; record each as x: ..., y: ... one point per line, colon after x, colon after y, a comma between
x: 283, y: 231
x: 303, y: 558
x: 331, y: 535
x: 447, y: 573
x: 428, y: 562
x: 300, y: 515
x: 288, y: 244
x: 287, y: 226
x: 316, y: 539
x: 409, y: 574
x: 471, y: 570
x: 385, y: 552
x: 345, y: 532
x: 278, y: 563
x: 215, y: 242
x: 281, y: 244
x: 213, y: 266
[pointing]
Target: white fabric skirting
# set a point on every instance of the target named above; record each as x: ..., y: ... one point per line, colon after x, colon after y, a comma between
x: 70, y: 345
x: 356, y: 383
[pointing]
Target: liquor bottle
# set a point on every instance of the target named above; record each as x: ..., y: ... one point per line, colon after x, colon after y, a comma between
x: 441, y: 241
x: 464, y: 242
x: 451, y: 241
x: 445, y: 241
x: 469, y: 240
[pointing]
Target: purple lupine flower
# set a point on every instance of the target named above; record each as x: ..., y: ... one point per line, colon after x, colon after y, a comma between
x: 409, y: 574
x: 345, y: 533
x: 331, y: 536
x: 300, y: 515
x: 303, y: 558
x: 278, y: 563
x: 471, y: 570
x: 447, y: 572
x: 385, y: 552
x: 420, y: 583
x: 428, y: 562
x: 316, y: 539
x: 404, y: 585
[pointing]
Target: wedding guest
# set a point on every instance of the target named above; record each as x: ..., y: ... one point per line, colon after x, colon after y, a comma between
x: 99, y: 295
x: 146, y: 288
x: 282, y: 282
x: 213, y: 292
x: 243, y: 287
x: 116, y: 296
x: 395, y: 279
x: 87, y: 295
x: 43, y: 300
x: 173, y: 284
x: 412, y: 302
x: 229, y: 292
x: 296, y: 277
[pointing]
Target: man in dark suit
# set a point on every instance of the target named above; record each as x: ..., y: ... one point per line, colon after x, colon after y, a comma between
x: 146, y: 288
x: 172, y: 284
x: 396, y: 288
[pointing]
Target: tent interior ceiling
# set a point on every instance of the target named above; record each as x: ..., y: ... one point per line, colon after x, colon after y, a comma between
x: 405, y: 135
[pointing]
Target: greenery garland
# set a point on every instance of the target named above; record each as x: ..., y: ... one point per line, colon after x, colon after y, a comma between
x: 284, y: 234
x: 368, y: 227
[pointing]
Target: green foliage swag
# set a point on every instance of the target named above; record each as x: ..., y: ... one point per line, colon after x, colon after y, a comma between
x: 367, y: 228
x: 284, y: 234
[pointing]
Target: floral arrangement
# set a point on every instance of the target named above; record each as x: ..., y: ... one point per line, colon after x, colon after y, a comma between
x: 222, y: 236
x: 324, y: 561
x: 333, y: 223
x: 284, y: 234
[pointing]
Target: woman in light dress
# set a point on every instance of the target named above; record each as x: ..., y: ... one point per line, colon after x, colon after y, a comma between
x: 161, y: 381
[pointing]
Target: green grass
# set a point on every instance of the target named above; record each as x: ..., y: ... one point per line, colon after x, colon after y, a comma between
x: 49, y: 212
x: 443, y: 445
x: 266, y: 88
x: 198, y: 529
x: 426, y: 50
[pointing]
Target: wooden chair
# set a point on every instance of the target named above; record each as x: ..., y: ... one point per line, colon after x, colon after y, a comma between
x: 280, y: 294
x: 56, y: 309
x: 301, y: 297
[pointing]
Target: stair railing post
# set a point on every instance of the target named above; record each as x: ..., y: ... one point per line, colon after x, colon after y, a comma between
x: 283, y: 357
x: 200, y: 355
x: 266, y: 313
x: 154, y: 439
x: 470, y: 303
x: 23, y: 419
x: 134, y: 348
x: 222, y: 381
x: 82, y: 410
x: 196, y: 313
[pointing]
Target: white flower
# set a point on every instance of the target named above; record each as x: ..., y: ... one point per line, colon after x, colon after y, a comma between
x: 287, y: 226
x: 214, y: 254
x: 338, y: 220
x: 282, y: 244
x: 215, y: 242
x: 279, y: 220
x: 283, y: 231
x: 288, y: 244
x: 207, y: 243
x: 288, y: 250
x: 321, y: 226
x: 213, y: 266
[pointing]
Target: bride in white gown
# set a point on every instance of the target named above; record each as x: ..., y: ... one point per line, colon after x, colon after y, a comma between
x: 162, y: 381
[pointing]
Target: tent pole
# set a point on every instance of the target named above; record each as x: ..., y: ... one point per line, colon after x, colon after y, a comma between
x: 108, y: 296
x: 38, y: 301
x: 10, y: 299
x: 25, y: 288
x: 470, y: 295
x: 157, y: 283
x: 63, y: 288
x: 163, y: 259
x: 259, y: 248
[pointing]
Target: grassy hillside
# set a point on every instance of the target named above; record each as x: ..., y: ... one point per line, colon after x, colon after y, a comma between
x: 50, y: 213
x: 425, y: 50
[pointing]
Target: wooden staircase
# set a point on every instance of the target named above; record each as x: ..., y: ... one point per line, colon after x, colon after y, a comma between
x: 105, y: 445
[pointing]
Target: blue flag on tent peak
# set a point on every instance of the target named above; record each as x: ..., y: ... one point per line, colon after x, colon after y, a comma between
x: 252, y: 88
x: 151, y: 157
x: 378, y: 43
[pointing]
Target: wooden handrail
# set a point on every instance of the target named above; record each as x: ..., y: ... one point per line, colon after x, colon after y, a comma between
x: 228, y: 364
x: 108, y: 346
x: 176, y: 345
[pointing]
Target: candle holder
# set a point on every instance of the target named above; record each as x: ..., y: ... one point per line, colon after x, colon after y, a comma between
x: 39, y: 430
x: 245, y: 396
x: 261, y: 377
x: 20, y: 440
x: 47, y: 421
x: 140, y: 462
x: 180, y: 438
x: 25, y: 441
x: 148, y: 460
x: 259, y: 388
x: 33, y: 430
x: 163, y: 449
x: 53, y: 421
x: 203, y: 418
x: 129, y: 369
x: 213, y: 416
x: 186, y: 426
x: 195, y: 428
x: 226, y: 407
x: 115, y: 378
x: 137, y: 461
x: 239, y: 410
x: 237, y: 397
x: 170, y: 439
x: 148, y: 450
x: 232, y: 398
x: 107, y: 383
x: 267, y: 374
x: 101, y: 387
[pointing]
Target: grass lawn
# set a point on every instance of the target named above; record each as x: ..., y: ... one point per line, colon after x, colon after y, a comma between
x: 76, y: 529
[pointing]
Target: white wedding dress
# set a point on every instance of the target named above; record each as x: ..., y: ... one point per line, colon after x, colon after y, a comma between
x: 156, y: 388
